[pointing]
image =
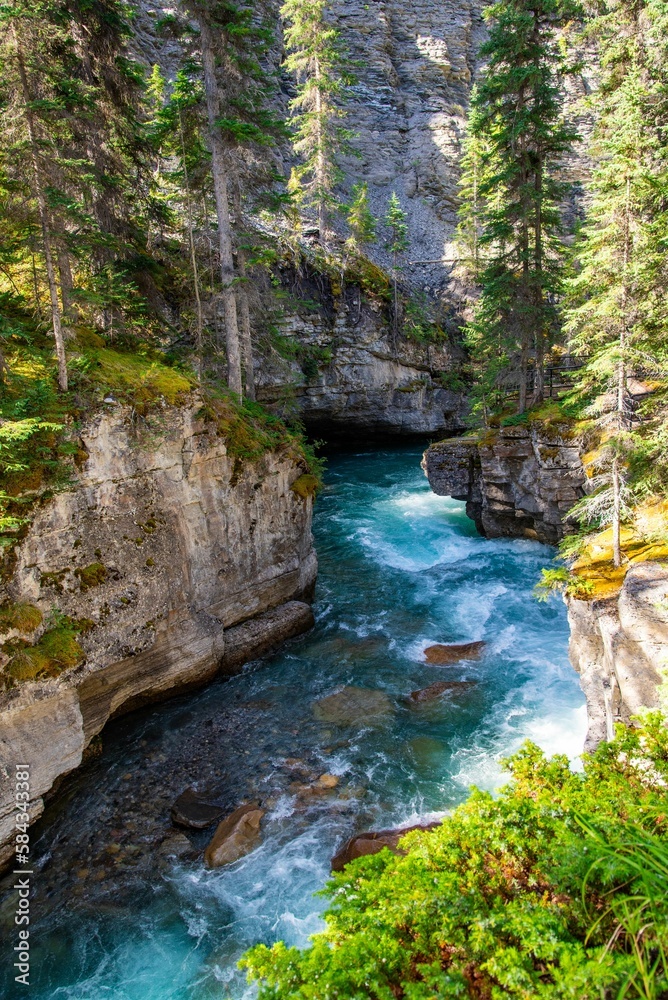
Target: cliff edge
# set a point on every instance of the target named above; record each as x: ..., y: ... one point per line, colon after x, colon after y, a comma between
x: 168, y: 560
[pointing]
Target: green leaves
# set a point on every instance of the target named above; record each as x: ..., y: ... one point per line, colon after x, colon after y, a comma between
x: 514, y: 897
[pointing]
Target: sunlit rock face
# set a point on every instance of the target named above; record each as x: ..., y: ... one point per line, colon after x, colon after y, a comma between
x: 619, y: 646
x: 416, y: 62
x: 178, y: 559
x: 517, y: 482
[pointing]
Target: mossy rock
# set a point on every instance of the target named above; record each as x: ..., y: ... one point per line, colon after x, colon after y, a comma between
x: 91, y: 576
x: 138, y: 379
x: 306, y: 486
x: 21, y: 616
x: 57, y: 650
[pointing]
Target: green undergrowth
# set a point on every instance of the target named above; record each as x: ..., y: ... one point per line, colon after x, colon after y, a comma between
x: 250, y: 431
x: 557, y: 888
x: 346, y: 267
x: 57, y: 649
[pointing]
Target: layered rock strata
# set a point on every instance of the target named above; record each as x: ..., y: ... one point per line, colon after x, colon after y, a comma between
x: 619, y: 646
x: 517, y: 481
x: 351, y: 376
x: 177, y: 561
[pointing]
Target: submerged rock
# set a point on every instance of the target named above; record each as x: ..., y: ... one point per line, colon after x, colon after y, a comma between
x: 176, y: 846
x: 235, y: 837
x: 353, y: 706
x: 444, y: 654
x: 373, y: 841
x: 193, y: 811
x: 434, y: 691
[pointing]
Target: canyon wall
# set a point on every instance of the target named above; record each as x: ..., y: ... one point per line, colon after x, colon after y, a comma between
x: 175, y: 559
x: 350, y: 375
x: 619, y: 646
x: 520, y: 482
x: 516, y: 481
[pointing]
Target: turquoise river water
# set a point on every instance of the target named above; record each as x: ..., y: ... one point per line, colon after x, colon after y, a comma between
x: 116, y: 915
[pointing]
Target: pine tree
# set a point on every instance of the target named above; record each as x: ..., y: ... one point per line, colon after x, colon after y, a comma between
x: 476, y: 167
x: 517, y: 140
x: 361, y: 221
x: 397, y: 244
x: 316, y: 57
x: 615, y: 308
x: 219, y: 168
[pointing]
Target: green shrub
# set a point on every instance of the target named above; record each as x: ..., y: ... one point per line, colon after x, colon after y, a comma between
x: 555, y: 889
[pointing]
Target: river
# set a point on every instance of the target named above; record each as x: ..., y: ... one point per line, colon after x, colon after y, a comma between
x: 117, y: 915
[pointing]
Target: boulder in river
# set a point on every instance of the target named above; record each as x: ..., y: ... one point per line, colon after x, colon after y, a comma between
x: 440, y: 655
x: 193, y: 811
x: 353, y: 706
x: 236, y: 836
x: 373, y: 841
x: 434, y: 691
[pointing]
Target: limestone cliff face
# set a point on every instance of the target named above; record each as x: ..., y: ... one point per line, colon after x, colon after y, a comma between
x: 362, y: 380
x: 517, y: 481
x: 183, y: 560
x: 619, y: 646
x: 417, y: 63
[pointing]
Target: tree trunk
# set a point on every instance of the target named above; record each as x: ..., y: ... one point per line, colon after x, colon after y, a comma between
x: 227, y: 274
x: 320, y: 158
x: 244, y: 311
x: 539, y: 384
x: 616, y: 514
x: 66, y: 282
x: 44, y: 221
x: 524, y: 364
x: 193, y: 258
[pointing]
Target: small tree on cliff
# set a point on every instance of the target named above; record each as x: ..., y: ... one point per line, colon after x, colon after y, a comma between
x: 397, y: 244
x: 361, y: 221
x: 517, y: 140
x: 317, y: 58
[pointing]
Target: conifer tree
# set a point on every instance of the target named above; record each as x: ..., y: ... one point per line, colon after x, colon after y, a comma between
x: 614, y: 307
x: 316, y: 57
x: 361, y: 221
x: 397, y: 244
x: 219, y: 168
x: 517, y: 141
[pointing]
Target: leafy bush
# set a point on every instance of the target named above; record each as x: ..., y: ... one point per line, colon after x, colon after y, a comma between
x: 555, y: 889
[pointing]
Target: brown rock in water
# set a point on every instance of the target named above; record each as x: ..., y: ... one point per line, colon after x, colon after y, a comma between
x: 435, y: 690
x: 193, y: 811
x: 374, y: 841
x: 442, y: 655
x: 352, y: 706
x: 236, y: 836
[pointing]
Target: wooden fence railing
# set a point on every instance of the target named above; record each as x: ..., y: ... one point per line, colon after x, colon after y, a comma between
x: 558, y: 379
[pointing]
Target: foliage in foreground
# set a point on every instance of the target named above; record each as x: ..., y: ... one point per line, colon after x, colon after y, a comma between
x: 557, y: 888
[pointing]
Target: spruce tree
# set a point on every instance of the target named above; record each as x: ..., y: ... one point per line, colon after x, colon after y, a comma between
x: 317, y: 58
x: 360, y: 219
x: 615, y: 307
x: 517, y: 140
x: 397, y: 244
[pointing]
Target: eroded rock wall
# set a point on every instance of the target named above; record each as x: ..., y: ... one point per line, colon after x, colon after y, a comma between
x: 363, y: 379
x: 182, y: 560
x: 517, y: 481
x: 619, y: 646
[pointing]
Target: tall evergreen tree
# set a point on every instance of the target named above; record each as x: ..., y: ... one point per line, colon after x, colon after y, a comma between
x: 317, y: 58
x: 615, y: 308
x: 517, y: 141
